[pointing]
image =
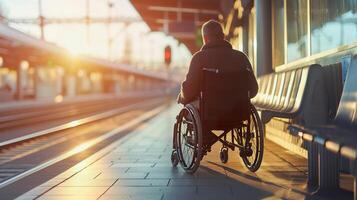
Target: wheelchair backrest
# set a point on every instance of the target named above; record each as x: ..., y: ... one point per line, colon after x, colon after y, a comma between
x: 225, y: 98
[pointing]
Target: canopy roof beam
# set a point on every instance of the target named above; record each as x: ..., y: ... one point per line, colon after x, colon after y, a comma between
x: 183, y: 10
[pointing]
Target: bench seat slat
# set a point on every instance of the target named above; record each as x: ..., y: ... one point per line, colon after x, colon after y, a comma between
x: 282, y: 94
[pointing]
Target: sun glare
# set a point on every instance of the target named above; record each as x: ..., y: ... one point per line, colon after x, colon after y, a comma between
x: 73, y: 52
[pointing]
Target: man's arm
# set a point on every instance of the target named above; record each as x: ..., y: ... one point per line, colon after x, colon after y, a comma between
x: 190, y: 87
x: 252, y: 81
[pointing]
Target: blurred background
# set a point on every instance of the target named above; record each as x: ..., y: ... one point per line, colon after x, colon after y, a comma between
x: 106, y: 30
x: 109, y: 29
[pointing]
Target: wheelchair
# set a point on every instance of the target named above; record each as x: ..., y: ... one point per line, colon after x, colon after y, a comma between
x: 220, y: 109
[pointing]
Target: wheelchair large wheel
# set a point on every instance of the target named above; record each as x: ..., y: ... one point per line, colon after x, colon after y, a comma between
x: 252, y: 137
x: 188, y: 139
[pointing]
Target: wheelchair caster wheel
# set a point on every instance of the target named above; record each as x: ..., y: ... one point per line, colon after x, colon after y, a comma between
x: 223, y: 155
x: 174, y: 159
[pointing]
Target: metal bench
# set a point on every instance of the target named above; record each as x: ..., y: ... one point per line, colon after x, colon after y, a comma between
x: 284, y: 94
x: 299, y: 95
x: 338, y: 138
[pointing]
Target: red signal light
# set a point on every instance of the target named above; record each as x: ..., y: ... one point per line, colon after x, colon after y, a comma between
x: 167, y: 55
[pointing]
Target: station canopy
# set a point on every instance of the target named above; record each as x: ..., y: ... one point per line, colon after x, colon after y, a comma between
x: 16, y: 46
x: 181, y: 19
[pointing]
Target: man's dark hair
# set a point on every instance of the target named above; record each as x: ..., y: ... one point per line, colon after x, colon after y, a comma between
x: 213, y: 30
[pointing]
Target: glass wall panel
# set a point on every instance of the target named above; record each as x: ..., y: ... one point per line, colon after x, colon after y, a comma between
x: 252, y: 39
x: 333, y: 23
x: 278, y: 32
x: 296, y: 29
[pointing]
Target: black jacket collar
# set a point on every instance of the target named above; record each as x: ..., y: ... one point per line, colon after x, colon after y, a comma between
x: 217, y: 44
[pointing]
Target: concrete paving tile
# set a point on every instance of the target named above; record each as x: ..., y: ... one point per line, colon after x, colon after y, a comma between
x: 275, y: 164
x: 198, y: 182
x: 173, y: 196
x: 140, y: 169
x: 121, y: 150
x: 121, y: 190
x: 77, y: 191
x: 239, y: 178
x: 214, y: 167
x: 133, y: 164
x: 26, y: 197
x: 281, y: 168
x: 146, y: 197
x: 254, y: 196
x: 111, y: 197
x: 163, y: 164
x: 64, y: 175
x: 52, y: 182
x: 214, y: 192
x: 173, y: 174
x: 148, y: 160
x: 210, y: 189
x: 178, y: 190
x: 134, y: 175
x: 68, y: 197
x: 207, y: 173
x: 164, y: 169
x: 283, y: 176
x: 141, y: 182
x: 111, y: 170
x: 88, y: 183
x: 158, y: 169
x: 36, y: 191
x: 132, y: 197
x: 125, y: 160
x: 281, y: 192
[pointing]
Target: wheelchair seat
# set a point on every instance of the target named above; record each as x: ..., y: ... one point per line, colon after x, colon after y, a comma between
x: 224, y: 100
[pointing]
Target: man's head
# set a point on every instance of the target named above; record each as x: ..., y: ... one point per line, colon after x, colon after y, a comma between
x: 211, y: 31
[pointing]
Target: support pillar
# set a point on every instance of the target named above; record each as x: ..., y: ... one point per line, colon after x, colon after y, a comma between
x: 313, y: 166
x: 18, y: 93
x: 35, y: 81
x: 355, y: 180
x: 263, y: 37
x: 328, y: 170
x: 21, y: 75
x: 245, y: 32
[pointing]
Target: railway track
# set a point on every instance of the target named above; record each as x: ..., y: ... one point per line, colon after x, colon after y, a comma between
x: 22, y: 155
x: 17, y: 118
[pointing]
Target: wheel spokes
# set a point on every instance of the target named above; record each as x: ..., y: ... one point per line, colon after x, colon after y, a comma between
x: 187, y: 142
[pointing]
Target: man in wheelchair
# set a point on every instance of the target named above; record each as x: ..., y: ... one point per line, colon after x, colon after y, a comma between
x: 216, y: 94
x: 216, y: 53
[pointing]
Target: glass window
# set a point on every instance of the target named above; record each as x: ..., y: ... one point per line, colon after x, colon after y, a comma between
x: 252, y: 39
x: 278, y: 32
x: 333, y: 23
x: 296, y: 29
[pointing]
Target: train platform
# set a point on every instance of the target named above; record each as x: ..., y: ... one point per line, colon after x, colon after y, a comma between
x: 138, y: 166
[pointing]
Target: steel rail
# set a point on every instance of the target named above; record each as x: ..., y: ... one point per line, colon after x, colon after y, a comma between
x: 75, y: 123
x: 59, y: 113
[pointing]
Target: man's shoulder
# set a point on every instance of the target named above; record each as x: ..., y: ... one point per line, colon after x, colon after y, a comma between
x: 198, y: 54
x: 239, y: 53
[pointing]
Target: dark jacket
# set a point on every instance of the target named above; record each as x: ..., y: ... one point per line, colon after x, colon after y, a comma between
x: 216, y: 54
